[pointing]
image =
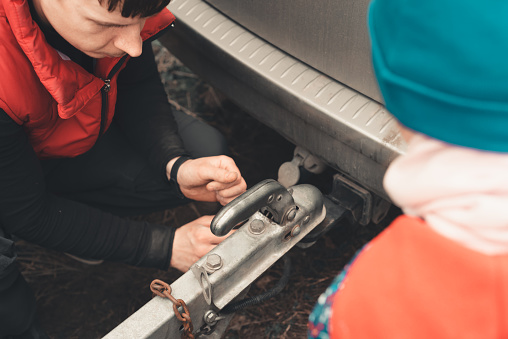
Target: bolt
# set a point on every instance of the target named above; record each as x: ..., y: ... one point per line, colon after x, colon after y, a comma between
x: 213, y: 262
x: 306, y: 220
x: 270, y: 198
x: 295, y: 231
x: 210, y: 317
x: 290, y: 191
x: 257, y: 226
x: 292, y: 214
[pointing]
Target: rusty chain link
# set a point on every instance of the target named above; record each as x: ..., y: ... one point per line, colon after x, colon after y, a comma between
x: 162, y: 289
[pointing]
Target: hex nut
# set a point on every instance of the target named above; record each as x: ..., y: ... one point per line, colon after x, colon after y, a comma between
x: 210, y: 316
x: 257, y: 226
x: 213, y: 262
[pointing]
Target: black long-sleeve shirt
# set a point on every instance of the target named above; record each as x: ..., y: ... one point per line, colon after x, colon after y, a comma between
x: 30, y: 211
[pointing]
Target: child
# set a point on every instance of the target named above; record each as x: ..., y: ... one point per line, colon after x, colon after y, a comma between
x: 440, y: 270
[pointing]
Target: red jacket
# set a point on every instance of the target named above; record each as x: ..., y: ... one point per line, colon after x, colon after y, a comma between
x: 62, y: 107
x: 410, y: 282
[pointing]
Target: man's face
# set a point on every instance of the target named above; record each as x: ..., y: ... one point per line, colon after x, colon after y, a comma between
x: 88, y: 26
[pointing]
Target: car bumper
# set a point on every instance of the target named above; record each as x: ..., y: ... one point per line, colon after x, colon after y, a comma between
x: 352, y: 133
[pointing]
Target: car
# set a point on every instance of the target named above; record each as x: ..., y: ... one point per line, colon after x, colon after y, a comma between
x: 303, y: 69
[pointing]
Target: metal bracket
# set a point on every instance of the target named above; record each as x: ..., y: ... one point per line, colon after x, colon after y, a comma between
x: 335, y: 214
x: 363, y: 205
x: 204, y: 281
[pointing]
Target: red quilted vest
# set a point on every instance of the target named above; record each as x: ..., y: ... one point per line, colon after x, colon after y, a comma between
x: 62, y: 107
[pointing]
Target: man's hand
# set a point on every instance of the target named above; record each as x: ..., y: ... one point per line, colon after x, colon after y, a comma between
x: 210, y: 179
x: 192, y: 241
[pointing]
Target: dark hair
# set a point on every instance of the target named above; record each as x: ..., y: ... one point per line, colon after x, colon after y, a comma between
x: 132, y: 8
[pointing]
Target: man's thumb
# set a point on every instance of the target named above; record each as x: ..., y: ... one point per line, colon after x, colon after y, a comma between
x: 231, y: 176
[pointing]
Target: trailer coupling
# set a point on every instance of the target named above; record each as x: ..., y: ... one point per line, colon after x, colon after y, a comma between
x: 268, y: 220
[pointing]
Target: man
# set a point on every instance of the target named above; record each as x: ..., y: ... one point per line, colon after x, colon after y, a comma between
x: 86, y: 135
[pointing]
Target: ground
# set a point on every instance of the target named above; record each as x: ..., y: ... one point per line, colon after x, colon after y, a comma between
x: 81, y: 301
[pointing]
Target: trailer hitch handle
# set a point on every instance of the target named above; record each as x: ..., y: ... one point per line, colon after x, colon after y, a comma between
x: 267, y: 194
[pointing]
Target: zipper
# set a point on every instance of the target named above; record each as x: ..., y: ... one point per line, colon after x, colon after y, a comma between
x: 104, y: 107
x: 105, y: 97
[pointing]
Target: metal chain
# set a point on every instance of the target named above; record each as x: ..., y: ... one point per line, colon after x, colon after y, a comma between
x: 162, y: 289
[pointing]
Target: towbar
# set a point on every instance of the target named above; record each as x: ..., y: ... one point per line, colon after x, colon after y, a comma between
x: 272, y: 220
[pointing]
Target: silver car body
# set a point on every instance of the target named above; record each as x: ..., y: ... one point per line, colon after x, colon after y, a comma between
x: 303, y: 68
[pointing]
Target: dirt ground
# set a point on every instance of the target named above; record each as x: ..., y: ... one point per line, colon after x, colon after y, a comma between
x: 81, y: 301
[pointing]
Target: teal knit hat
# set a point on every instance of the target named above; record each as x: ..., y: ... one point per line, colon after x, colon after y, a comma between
x: 442, y: 67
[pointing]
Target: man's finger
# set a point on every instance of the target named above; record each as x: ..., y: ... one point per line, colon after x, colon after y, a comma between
x: 217, y: 240
x: 215, y: 186
x: 231, y: 177
x: 222, y: 185
x: 205, y: 220
x: 231, y: 192
x: 218, y: 174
